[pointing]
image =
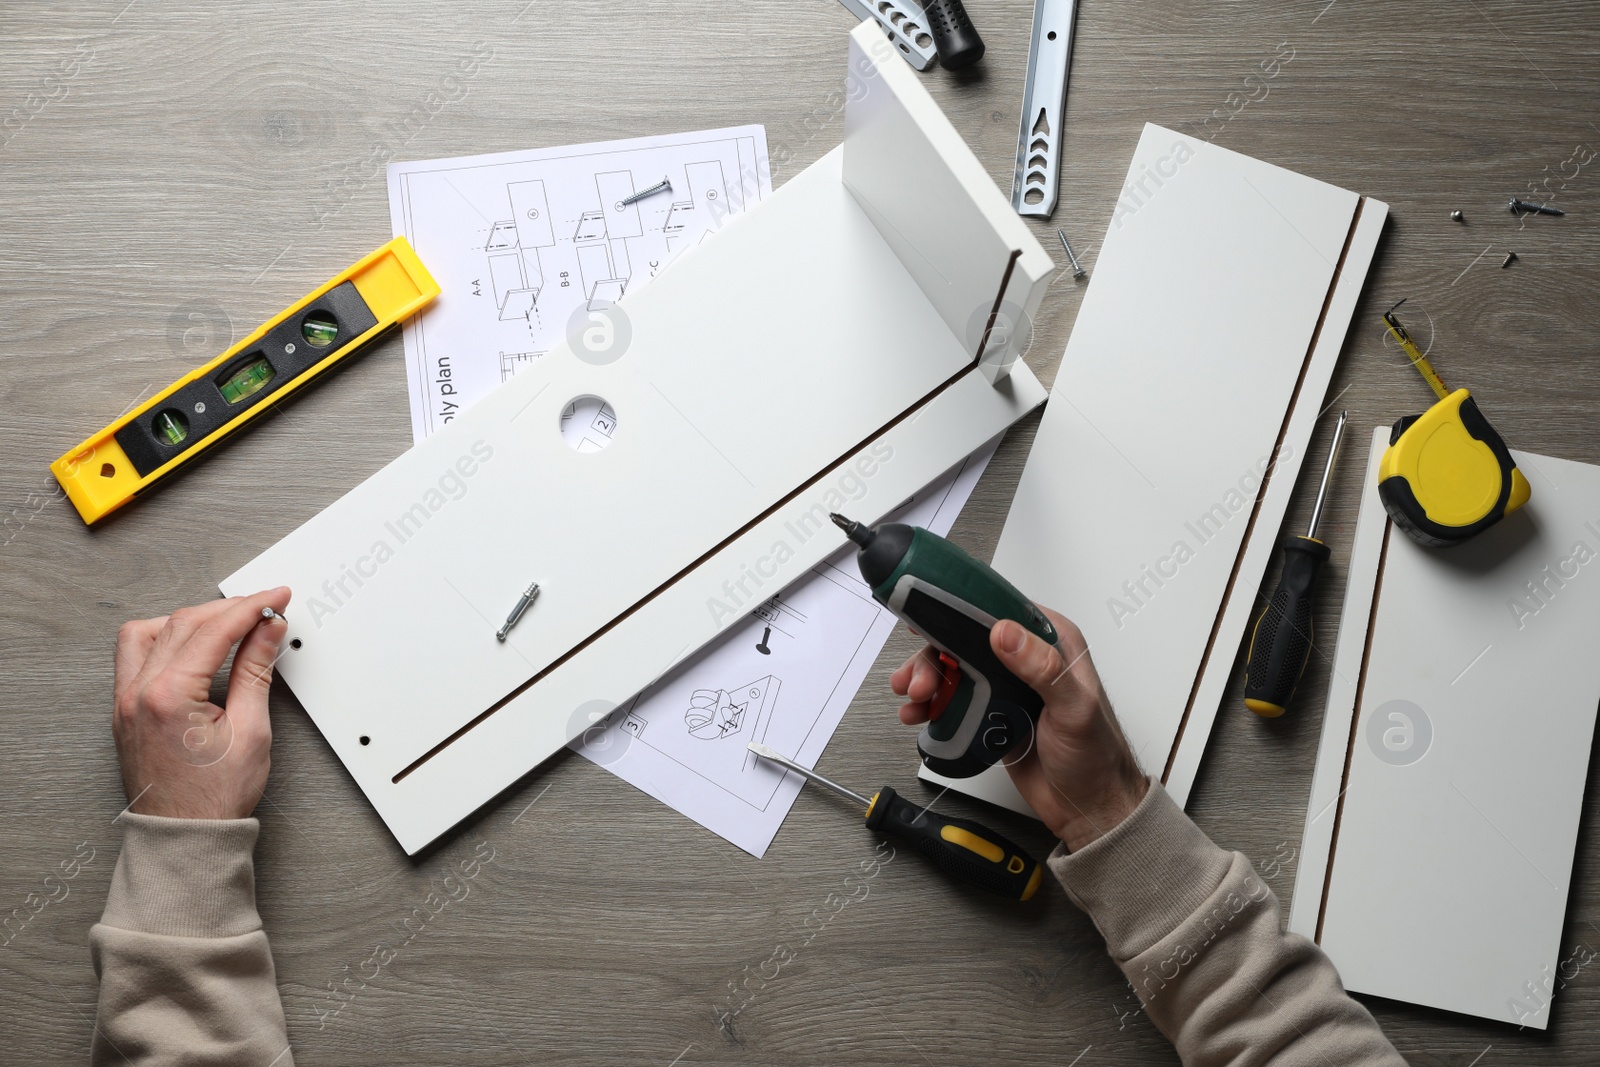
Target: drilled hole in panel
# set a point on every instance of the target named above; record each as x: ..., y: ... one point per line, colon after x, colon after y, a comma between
x: 588, y: 423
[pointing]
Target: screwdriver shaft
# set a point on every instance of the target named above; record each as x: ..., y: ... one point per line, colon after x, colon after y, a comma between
x: 1327, y: 475
x: 772, y: 754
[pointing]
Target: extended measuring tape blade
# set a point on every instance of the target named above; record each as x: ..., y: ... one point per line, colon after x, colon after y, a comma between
x: 204, y: 407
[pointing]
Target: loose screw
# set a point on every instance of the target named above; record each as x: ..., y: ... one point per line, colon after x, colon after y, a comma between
x: 1077, y: 269
x: 663, y: 184
x: 1518, y: 207
x: 1511, y: 257
x: 1458, y: 216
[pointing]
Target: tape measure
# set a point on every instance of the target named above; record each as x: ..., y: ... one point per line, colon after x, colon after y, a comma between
x: 203, y: 408
x: 1447, y: 475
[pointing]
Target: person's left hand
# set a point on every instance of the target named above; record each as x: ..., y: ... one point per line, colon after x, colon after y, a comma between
x: 183, y: 756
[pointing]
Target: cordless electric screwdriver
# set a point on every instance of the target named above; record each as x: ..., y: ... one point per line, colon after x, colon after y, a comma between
x: 981, y: 711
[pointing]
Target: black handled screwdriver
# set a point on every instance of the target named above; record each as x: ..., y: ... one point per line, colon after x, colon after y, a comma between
x: 1281, y: 643
x: 955, y: 38
x: 963, y: 849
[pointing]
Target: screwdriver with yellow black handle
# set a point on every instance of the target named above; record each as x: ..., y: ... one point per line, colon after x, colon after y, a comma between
x: 965, y: 850
x: 1281, y: 643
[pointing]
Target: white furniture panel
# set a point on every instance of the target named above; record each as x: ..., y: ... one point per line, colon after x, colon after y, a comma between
x: 951, y: 236
x: 789, y: 366
x: 1463, y: 727
x: 1327, y: 779
x: 1187, y: 399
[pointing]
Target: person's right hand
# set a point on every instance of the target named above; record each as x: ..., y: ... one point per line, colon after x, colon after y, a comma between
x: 1079, y: 775
x: 183, y: 756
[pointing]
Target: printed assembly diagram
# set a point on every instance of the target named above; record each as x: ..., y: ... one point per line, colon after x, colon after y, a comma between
x: 526, y: 246
x: 716, y: 715
x: 599, y: 260
x: 512, y: 362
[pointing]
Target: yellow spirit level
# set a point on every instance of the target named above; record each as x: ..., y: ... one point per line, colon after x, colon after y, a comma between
x: 201, y: 409
x: 1447, y: 474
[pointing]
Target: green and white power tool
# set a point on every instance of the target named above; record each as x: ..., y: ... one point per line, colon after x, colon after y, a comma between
x: 981, y: 711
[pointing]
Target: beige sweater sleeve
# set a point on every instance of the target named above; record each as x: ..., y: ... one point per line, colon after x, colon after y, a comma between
x: 185, y: 972
x: 1196, y: 932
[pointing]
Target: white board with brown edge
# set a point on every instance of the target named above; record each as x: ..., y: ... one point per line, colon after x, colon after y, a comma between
x: 1327, y: 778
x: 730, y: 443
x: 1188, y: 396
x: 1455, y: 754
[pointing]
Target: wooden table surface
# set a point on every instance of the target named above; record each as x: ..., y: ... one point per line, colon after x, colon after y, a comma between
x: 171, y: 175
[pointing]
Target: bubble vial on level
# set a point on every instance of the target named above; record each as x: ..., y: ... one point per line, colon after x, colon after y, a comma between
x: 247, y: 380
x: 319, y: 329
x: 171, y: 427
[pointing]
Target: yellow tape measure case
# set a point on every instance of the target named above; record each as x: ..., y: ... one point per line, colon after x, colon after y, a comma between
x: 1448, y: 475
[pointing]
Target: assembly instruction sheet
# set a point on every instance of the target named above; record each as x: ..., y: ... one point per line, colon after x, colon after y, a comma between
x: 783, y: 677
x: 527, y: 246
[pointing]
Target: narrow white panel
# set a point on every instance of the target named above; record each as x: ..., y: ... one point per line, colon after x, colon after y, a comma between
x: 1167, y: 412
x: 1327, y: 781
x: 936, y: 205
x: 1453, y: 850
x: 1305, y: 429
x: 1200, y: 328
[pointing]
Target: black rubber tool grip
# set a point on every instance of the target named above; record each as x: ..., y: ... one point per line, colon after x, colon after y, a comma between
x: 1281, y: 643
x: 967, y: 851
x: 954, y: 35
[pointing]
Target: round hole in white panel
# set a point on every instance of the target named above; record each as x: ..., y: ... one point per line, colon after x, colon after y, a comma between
x: 588, y: 423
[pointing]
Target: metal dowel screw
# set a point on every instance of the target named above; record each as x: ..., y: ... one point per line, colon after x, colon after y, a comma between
x: 528, y: 597
x: 1077, y: 268
x: 1519, y: 207
x: 663, y: 184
